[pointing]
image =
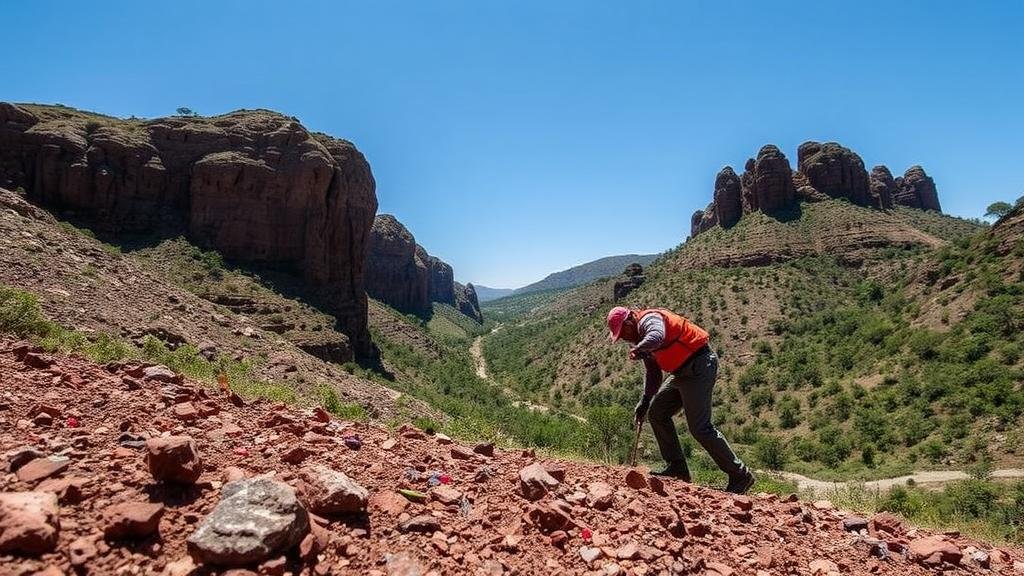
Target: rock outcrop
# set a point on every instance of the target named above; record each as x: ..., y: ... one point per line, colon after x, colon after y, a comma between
x: 400, y: 273
x: 916, y: 189
x: 631, y: 279
x: 467, y: 302
x: 883, y: 187
x: 835, y: 171
x: 254, y: 185
x: 396, y: 272
x: 825, y: 170
x: 767, y: 181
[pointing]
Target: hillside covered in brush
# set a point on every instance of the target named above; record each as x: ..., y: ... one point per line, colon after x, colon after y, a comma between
x: 854, y: 339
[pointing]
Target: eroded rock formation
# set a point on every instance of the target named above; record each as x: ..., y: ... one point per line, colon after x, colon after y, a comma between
x: 825, y: 170
x: 916, y: 189
x: 631, y: 279
x: 254, y: 185
x: 396, y: 272
x: 834, y: 170
x: 400, y: 273
x: 882, y: 186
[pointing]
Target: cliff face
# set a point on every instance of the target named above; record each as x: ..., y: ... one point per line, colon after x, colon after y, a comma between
x: 400, y: 273
x: 254, y: 185
x: 824, y: 170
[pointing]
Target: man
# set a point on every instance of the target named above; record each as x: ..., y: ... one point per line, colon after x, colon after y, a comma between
x: 667, y: 342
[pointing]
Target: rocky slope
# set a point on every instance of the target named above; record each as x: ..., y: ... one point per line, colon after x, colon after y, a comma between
x: 164, y: 293
x: 401, y: 273
x: 586, y: 272
x: 770, y: 185
x: 128, y: 468
x: 255, y: 185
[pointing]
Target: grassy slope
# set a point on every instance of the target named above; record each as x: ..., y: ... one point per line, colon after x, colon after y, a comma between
x: 857, y: 371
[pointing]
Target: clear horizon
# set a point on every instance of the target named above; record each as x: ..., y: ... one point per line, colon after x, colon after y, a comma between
x: 519, y: 140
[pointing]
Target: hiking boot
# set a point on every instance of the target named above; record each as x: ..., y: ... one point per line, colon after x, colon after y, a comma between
x: 740, y: 483
x: 675, y: 470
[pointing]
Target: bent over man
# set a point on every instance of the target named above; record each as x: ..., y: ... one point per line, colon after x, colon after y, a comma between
x: 667, y: 342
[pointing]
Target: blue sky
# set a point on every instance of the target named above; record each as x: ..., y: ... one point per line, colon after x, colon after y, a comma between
x: 519, y: 138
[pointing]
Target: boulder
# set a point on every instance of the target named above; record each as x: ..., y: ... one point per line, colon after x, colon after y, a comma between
x: 329, y: 492
x: 254, y: 520
x: 29, y: 523
x: 835, y: 171
x: 173, y: 459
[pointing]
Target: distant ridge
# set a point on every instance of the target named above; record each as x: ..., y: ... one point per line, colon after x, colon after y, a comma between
x: 588, y: 272
x: 486, y: 293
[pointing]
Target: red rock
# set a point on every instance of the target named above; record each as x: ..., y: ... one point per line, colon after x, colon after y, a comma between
x: 185, y: 411
x: 549, y: 518
x: 462, y: 453
x: 160, y: 374
x: 421, y: 523
x: 132, y: 520
x: 628, y: 551
x: 42, y: 468
x: 28, y: 522
x: 742, y: 502
x: 67, y: 490
x: 600, y: 495
x: 81, y: 552
x: 657, y: 484
x: 330, y: 492
x: 295, y: 455
x: 559, y: 538
x: 823, y: 567
x: 389, y: 502
x: 485, y: 449
x: 173, y: 459
x: 636, y: 480
x: 446, y: 495
x: 933, y: 551
x: 20, y: 456
x: 534, y: 482
x: 555, y: 470
x: 887, y: 523
x: 718, y: 569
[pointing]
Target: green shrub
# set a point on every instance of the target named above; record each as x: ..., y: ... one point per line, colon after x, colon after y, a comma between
x: 771, y: 452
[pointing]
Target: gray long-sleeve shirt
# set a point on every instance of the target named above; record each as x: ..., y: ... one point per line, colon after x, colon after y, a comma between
x: 652, y: 336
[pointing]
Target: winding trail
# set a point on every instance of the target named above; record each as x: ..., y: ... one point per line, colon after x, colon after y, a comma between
x: 934, y: 479
x: 476, y: 351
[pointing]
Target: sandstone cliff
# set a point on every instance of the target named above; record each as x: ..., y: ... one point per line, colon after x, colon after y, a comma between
x: 255, y: 185
x: 400, y: 273
x: 824, y: 171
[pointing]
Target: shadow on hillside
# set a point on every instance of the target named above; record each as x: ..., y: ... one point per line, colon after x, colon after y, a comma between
x: 790, y: 213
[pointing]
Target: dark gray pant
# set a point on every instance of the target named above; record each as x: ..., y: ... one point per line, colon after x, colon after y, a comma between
x: 689, y: 389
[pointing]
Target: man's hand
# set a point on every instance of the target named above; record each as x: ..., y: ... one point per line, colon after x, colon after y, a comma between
x: 637, y: 354
x: 640, y: 412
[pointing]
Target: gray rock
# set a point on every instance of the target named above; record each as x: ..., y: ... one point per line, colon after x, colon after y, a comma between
x: 855, y: 524
x: 331, y: 492
x: 255, y: 519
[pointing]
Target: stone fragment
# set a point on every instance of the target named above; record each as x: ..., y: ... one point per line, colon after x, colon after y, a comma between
x: 132, y: 520
x: 485, y: 449
x: 549, y: 518
x: 389, y: 502
x: 933, y: 551
x: 823, y: 567
x: 635, y: 480
x: 855, y: 524
x: 42, y: 468
x: 742, y: 502
x: 81, y: 551
x: 462, y: 453
x: 20, y: 456
x: 535, y: 482
x: 446, y: 495
x: 600, y: 495
x: 422, y: 523
x: 173, y: 459
x: 29, y: 523
x: 404, y: 564
x: 255, y: 519
x: 590, y: 554
x: 160, y: 373
x: 331, y: 492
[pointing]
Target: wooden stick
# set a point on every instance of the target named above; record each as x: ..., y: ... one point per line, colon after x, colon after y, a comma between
x: 636, y: 444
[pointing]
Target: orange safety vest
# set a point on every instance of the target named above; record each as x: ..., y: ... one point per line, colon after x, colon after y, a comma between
x: 682, y: 339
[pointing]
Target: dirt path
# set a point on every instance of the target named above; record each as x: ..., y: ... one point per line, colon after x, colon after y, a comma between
x: 476, y: 350
x: 931, y: 479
